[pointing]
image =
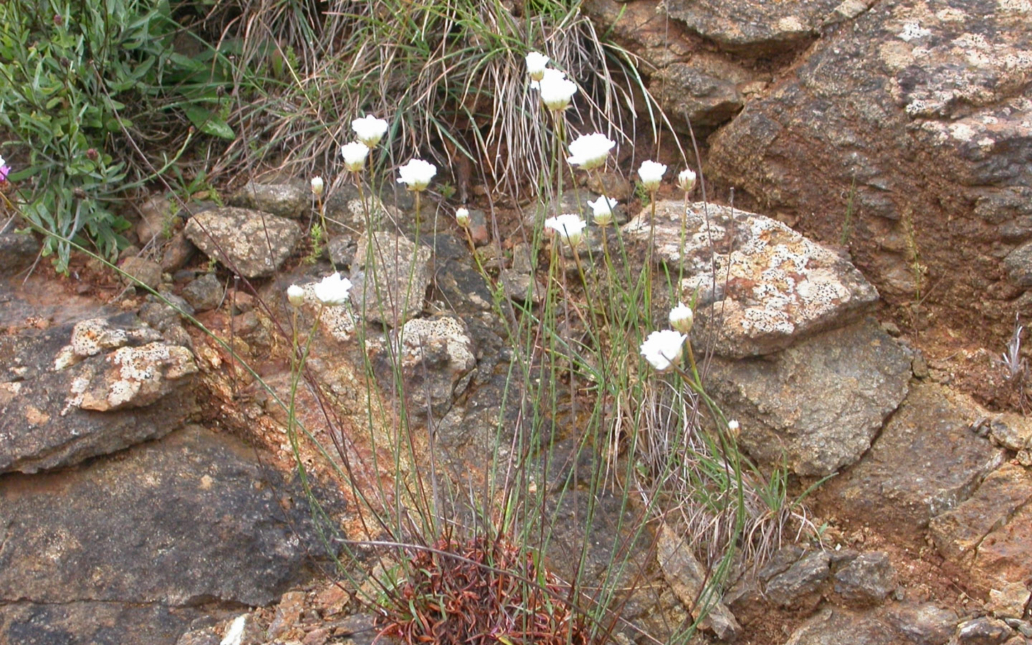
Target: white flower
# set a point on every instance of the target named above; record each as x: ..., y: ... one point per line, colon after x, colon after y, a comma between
x: 556, y: 91
x: 662, y: 349
x: 462, y: 217
x: 295, y: 295
x: 602, y: 210
x: 333, y: 290
x: 569, y: 227
x: 354, y: 154
x: 686, y: 180
x: 416, y: 174
x: 651, y: 173
x: 369, y: 130
x: 536, y: 64
x: 681, y: 318
x: 590, y: 151
x: 235, y: 633
x: 318, y: 186
x: 734, y: 426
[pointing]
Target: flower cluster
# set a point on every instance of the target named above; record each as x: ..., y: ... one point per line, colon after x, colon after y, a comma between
x: 416, y: 174
x: 370, y: 131
x: 663, y: 349
x: 555, y: 89
x: 569, y: 227
x: 590, y: 151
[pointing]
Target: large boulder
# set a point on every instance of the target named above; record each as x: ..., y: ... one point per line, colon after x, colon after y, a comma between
x: 250, y: 243
x: 191, y: 519
x: 905, y: 134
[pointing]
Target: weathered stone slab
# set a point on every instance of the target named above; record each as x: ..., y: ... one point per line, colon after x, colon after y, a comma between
x: 289, y: 199
x: 766, y: 285
x: 46, y: 420
x: 390, y: 277
x: 190, y: 519
x: 817, y: 405
x: 754, y: 27
x: 251, y: 243
x: 926, y: 461
x: 93, y: 623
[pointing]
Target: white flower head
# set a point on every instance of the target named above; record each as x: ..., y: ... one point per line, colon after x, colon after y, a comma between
x: 590, y: 151
x: 295, y: 295
x: 556, y: 90
x: 416, y: 174
x: 569, y: 227
x: 686, y: 180
x: 734, y: 426
x: 536, y: 65
x: 681, y: 318
x: 651, y: 173
x: 369, y: 130
x: 354, y: 154
x: 662, y: 349
x: 333, y: 290
x: 318, y: 186
x: 602, y: 210
x: 462, y: 217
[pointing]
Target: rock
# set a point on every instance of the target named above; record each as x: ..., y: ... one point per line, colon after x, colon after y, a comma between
x: 817, y: 405
x: 613, y: 185
x: 1019, y: 265
x: 458, y: 283
x: 350, y: 213
x: 141, y: 270
x: 799, y: 585
x: 200, y: 636
x: 1003, y: 554
x: 156, y: 215
x: 131, y: 377
x: 1010, y: 601
x: 436, y: 356
x: 704, y: 92
x: 524, y: 259
x: 521, y: 287
x: 39, y: 428
x: 688, y: 578
x: 95, y: 623
x: 390, y: 278
x: 867, y: 580
x: 926, y: 461
x: 754, y: 28
x: 834, y: 626
x: 205, y: 293
x: 191, y: 519
x: 478, y: 230
x: 177, y: 253
x: 780, y: 286
x: 289, y: 199
x: 957, y: 533
x: 983, y: 631
x: 923, y: 624
x: 17, y: 251
x: 243, y: 630
x: 341, y: 250
x: 1012, y: 431
x: 918, y: 114
x: 250, y: 243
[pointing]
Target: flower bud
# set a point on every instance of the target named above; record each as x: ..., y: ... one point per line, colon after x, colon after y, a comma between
x: 295, y: 295
x: 681, y: 318
x: 462, y: 217
x: 318, y: 186
x: 686, y: 180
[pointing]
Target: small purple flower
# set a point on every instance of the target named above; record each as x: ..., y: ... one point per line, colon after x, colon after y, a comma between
x: 4, y: 170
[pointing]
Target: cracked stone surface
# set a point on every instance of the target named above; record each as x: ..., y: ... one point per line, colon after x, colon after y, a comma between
x: 251, y: 243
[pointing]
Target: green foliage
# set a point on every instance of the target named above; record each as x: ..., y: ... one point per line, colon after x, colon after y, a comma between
x: 73, y: 78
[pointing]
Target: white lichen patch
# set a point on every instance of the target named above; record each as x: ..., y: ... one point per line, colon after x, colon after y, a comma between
x: 131, y: 377
x: 1015, y: 6
x: 913, y: 31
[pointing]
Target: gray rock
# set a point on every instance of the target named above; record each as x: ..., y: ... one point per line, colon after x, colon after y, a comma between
x: 818, y: 404
x: 156, y: 215
x: 923, y: 624
x: 250, y: 243
x: 390, y: 278
x: 687, y: 577
x: 983, y: 631
x: 799, y: 586
x: 458, y: 284
x: 341, y: 250
x: 142, y: 270
x: 754, y: 28
x: 834, y: 626
x: 867, y: 580
x: 704, y: 92
x: 177, y: 253
x: 958, y: 533
x: 766, y: 285
x: 1012, y: 431
x: 290, y: 199
x: 1003, y: 554
x: 17, y: 251
x: 205, y: 293
x: 191, y: 519
x: 131, y: 377
x: 919, y: 111
x: 436, y: 357
x: 925, y: 462
x: 1009, y: 601
x: 350, y: 213
x: 94, y: 623
x: 40, y: 428
x: 521, y: 287
x: 1019, y: 265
